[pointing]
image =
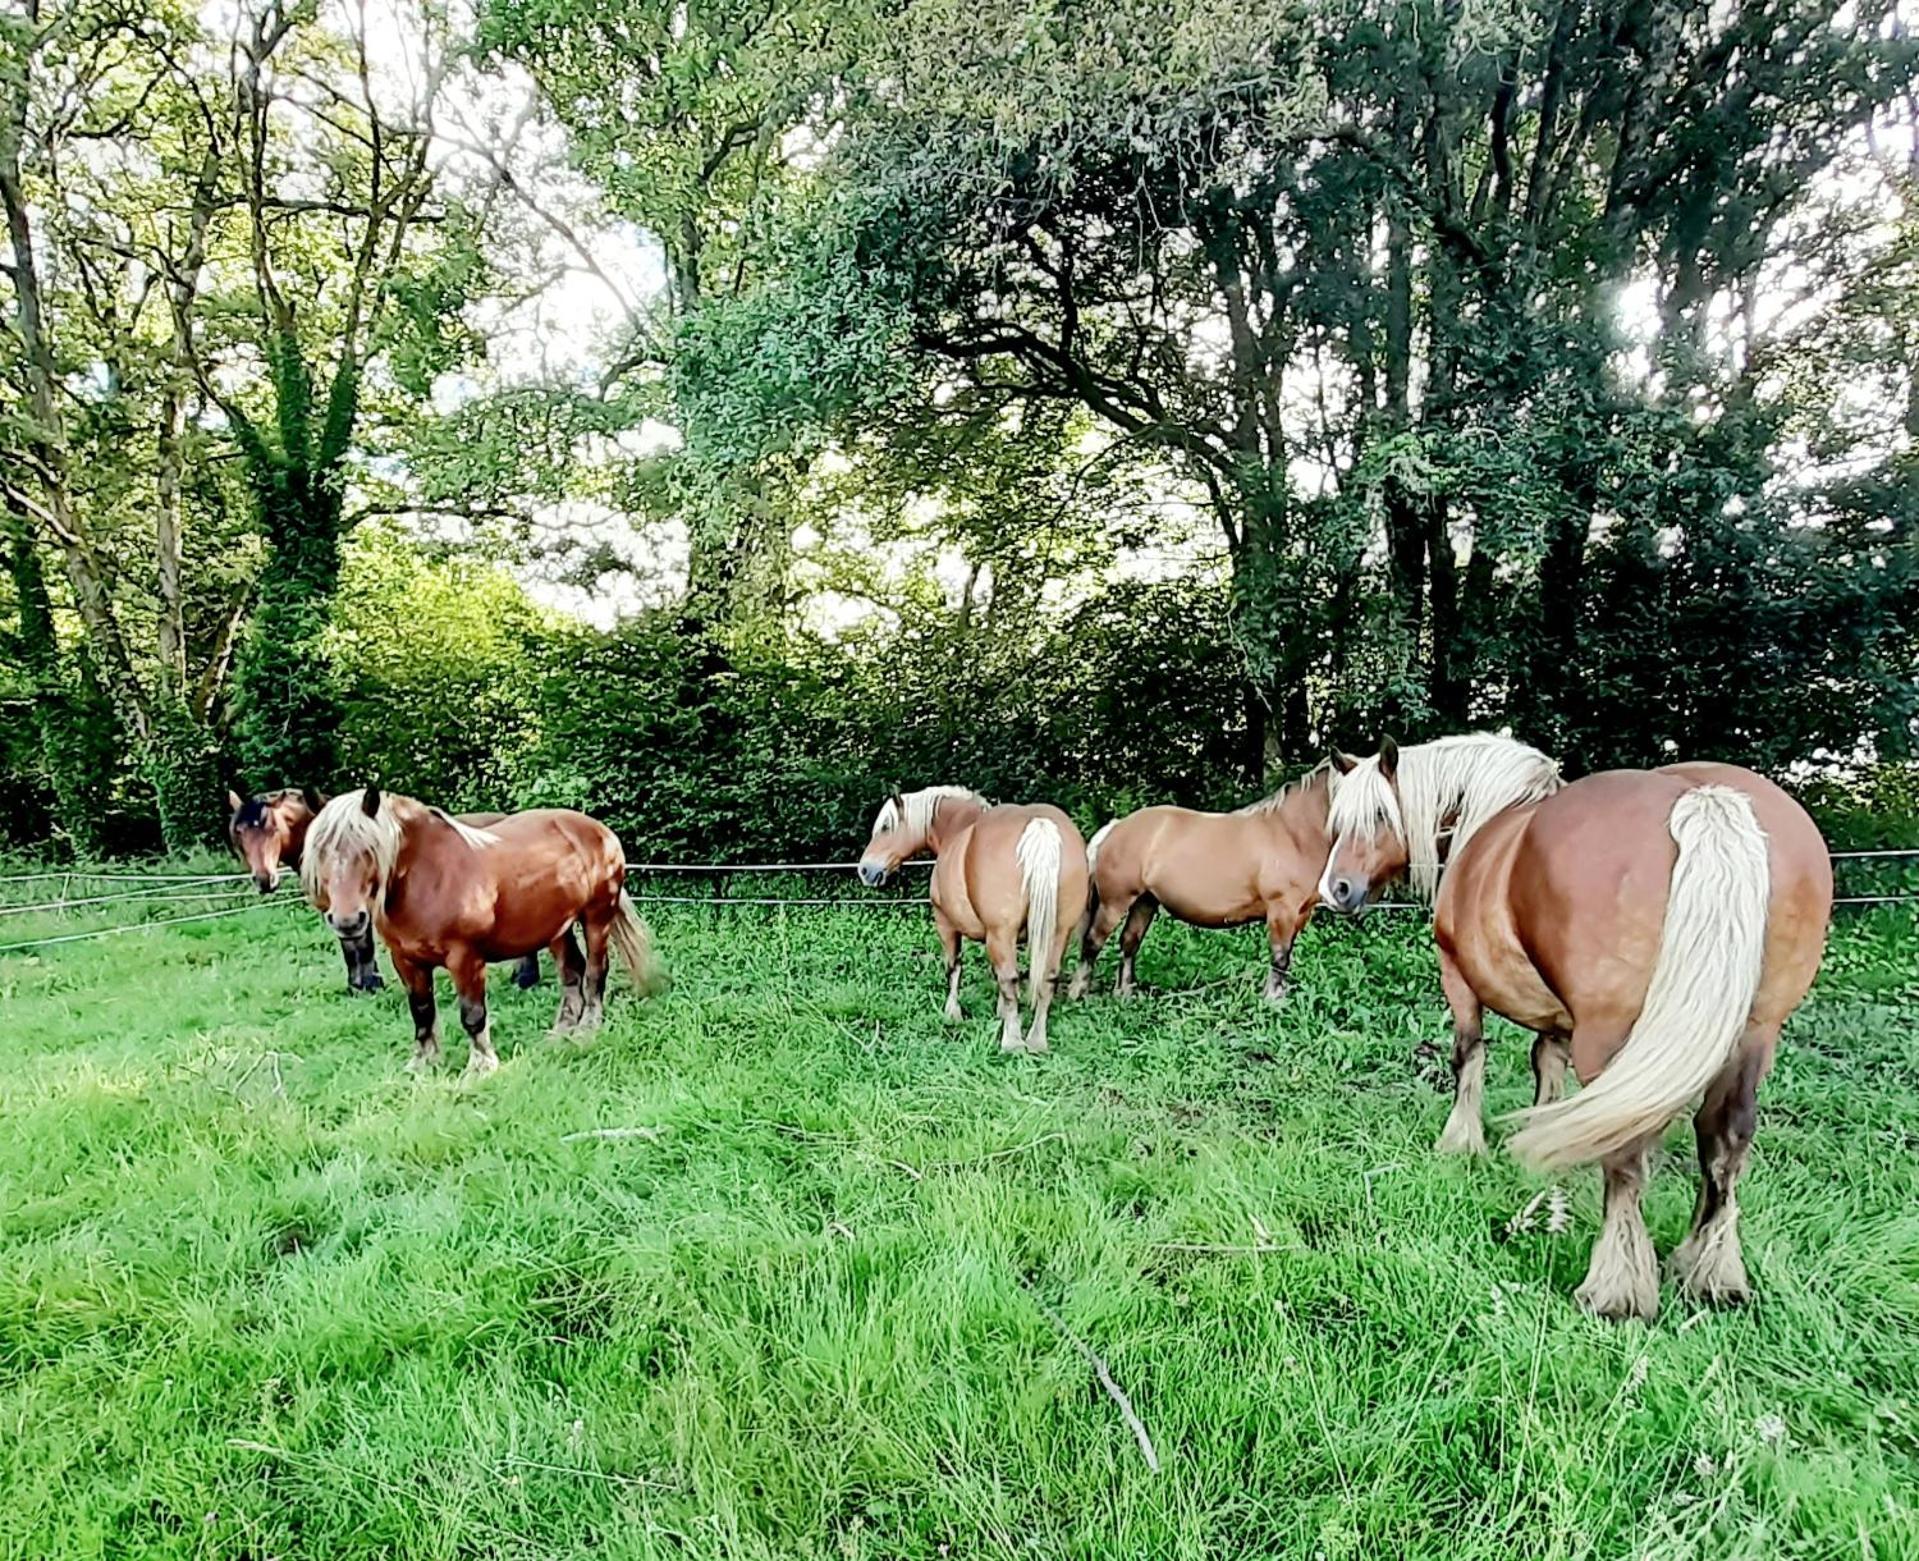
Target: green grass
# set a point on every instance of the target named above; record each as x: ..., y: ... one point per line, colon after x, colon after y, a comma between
x: 263, y: 1295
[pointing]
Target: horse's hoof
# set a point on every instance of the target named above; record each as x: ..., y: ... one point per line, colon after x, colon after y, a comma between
x: 1468, y: 1138
x: 1712, y: 1272
x: 1013, y: 1044
x: 420, y: 1066
x: 479, y: 1065
x: 1036, y: 1048
x: 951, y: 1013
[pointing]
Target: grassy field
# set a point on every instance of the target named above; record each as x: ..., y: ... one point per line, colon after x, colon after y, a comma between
x: 263, y: 1295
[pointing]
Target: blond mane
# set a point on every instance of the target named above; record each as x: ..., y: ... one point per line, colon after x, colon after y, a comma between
x: 1292, y: 788
x: 1450, y: 787
x: 344, y: 827
x: 920, y: 808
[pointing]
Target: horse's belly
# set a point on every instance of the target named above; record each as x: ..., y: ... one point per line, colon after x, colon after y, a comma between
x: 1208, y: 896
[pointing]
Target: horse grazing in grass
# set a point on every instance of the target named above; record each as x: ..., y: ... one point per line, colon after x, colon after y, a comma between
x: 441, y: 892
x: 999, y: 871
x: 269, y: 829
x: 1209, y: 870
x: 1654, y: 927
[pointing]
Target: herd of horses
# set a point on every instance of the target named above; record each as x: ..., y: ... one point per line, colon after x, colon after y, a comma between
x: 1653, y: 928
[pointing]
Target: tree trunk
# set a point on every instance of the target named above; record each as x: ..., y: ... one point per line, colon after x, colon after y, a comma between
x: 286, y: 706
x: 74, y: 727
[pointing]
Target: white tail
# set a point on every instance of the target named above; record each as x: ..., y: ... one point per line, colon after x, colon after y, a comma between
x: 1039, y: 852
x: 1093, y: 845
x: 1697, y: 1006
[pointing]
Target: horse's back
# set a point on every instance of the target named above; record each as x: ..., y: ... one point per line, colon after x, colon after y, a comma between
x: 1579, y: 883
x: 978, y: 879
x: 527, y: 880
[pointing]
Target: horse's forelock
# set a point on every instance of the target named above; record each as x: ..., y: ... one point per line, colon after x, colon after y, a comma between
x: 1363, y: 802
x: 343, y: 827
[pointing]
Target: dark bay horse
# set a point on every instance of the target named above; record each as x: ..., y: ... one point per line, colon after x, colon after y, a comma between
x: 1000, y: 871
x: 444, y: 893
x: 269, y: 829
x: 1209, y: 870
x: 1654, y: 927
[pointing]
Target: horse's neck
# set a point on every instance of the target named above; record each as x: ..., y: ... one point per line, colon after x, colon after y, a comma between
x: 1302, y: 812
x: 951, y: 816
x: 295, y: 823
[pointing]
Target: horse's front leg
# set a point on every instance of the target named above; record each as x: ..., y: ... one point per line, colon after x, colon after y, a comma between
x: 362, y: 969
x: 1281, y: 929
x: 1465, y: 1130
x: 418, y: 981
x: 469, y: 980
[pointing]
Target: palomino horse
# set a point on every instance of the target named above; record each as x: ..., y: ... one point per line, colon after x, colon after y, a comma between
x: 440, y: 892
x: 1000, y: 871
x: 1210, y: 870
x: 1658, y: 926
x: 270, y: 828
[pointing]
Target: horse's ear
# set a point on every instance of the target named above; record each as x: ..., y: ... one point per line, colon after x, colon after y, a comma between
x: 234, y: 802
x: 1388, y: 758
x: 1345, y: 763
x: 312, y: 798
x: 370, y: 801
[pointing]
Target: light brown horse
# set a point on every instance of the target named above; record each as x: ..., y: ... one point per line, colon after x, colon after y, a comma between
x: 1209, y: 870
x: 1000, y: 871
x: 440, y: 892
x: 269, y: 830
x: 1657, y: 927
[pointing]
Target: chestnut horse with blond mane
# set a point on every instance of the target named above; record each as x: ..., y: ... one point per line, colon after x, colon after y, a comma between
x: 1655, y: 927
x: 443, y: 893
x: 999, y: 871
x: 269, y: 829
x: 1209, y: 870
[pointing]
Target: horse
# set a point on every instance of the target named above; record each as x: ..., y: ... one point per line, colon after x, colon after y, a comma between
x: 270, y: 828
x: 998, y: 871
x: 443, y: 892
x: 1654, y: 928
x: 1209, y: 870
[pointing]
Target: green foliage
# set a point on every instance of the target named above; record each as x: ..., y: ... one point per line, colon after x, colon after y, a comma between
x: 356, y: 1315
x: 436, y: 664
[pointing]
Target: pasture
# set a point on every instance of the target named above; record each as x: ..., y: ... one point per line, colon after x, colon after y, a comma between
x: 264, y: 1295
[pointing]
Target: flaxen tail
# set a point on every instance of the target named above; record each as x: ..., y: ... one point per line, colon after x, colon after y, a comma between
x: 1039, y: 855
x: 1098, y: 840
x: 1697, y: 1006
x: 633, y: 942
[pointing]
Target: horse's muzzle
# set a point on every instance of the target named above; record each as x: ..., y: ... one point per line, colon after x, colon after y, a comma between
x: 1345, y: 895
x: 351, y: 928
x: 872, y: 874
x: 266, y: 883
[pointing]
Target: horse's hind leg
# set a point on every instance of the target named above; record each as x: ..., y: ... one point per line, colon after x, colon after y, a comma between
x: 950, y: 945
x: 1465, y: 1130
x: 526, y: 974
x: 1138, y: 919
x: 1044, y: 966
x: 598, y: 930
x: 1708, y: 1264
x: 1623, y: 1278
x: 1552, y: 1050
x: 1106, y: 917
x: 571, y: 964
x: 1002, y: 950
x: 469, y: 980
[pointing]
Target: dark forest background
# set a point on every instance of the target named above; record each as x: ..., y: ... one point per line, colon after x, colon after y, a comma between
x: 1115, y: 403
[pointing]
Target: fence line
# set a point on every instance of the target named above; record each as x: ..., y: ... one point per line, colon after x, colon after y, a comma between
x: 134, y: 926
x: 158, y: 879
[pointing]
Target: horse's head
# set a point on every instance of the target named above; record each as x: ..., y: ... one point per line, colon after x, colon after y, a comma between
x: 1369, y: 836
x: 895, y: 838
x: 350, y: 851
x: 268, y: 830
